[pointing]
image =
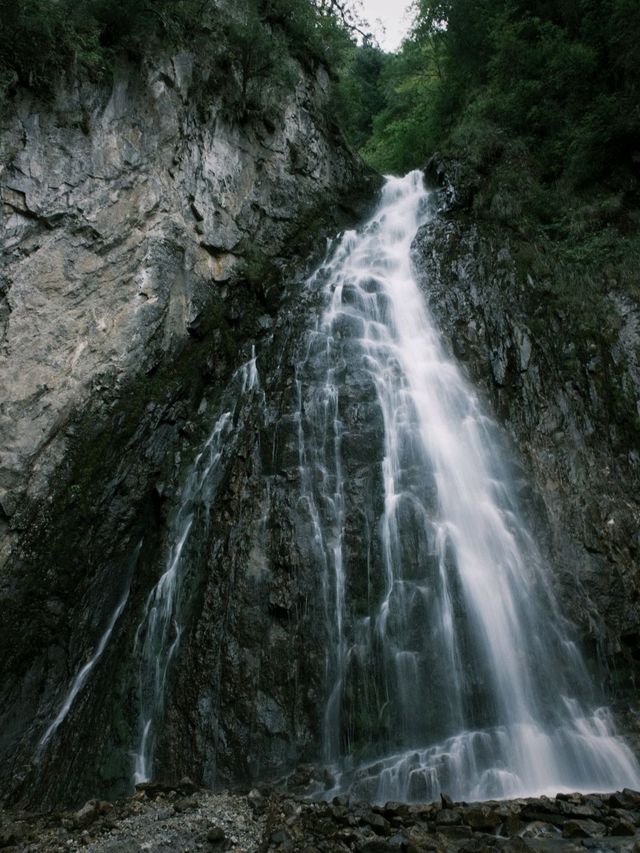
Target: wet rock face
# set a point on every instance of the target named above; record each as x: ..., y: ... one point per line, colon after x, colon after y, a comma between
x: 148, y: 242
x: 568, y: 401
x: 250, y: 679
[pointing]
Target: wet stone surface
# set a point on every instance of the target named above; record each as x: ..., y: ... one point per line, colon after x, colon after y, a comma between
x: 568, y: 822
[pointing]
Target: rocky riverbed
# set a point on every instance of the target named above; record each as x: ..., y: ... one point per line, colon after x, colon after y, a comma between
x: 569, y: 822
x: 183, y: 818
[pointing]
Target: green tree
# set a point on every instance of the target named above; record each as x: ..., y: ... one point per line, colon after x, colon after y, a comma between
x: 359, y: 91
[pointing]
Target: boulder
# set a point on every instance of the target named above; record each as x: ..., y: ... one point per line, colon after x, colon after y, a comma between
x: 583, y: 829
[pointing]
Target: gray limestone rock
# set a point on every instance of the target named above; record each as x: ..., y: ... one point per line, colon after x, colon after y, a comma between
x: 147, y: 243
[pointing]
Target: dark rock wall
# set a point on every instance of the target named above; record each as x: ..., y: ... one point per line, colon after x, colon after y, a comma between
x: 257, y: 630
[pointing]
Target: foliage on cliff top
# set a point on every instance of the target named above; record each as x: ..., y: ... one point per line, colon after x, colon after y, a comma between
x: 40, y: 40
x: 540, y: 96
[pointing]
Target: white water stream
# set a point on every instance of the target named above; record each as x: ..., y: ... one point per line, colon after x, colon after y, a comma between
x: 453, y: 670
x: 81, y: 678
x: 86, y: 669
x: 159, y: 632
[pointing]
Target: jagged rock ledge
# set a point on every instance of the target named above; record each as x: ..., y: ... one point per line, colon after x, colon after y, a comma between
x: 183, y: 817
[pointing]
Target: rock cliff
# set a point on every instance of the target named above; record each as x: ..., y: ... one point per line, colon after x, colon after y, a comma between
x: 146, y: 238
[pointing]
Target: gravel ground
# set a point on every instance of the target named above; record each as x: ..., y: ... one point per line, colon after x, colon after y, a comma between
x: 166, y: 821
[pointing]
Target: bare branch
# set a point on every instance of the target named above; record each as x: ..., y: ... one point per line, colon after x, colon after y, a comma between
x: 343, y: 10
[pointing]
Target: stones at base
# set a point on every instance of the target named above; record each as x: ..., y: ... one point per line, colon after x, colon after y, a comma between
x: 12, y: 835
x: 257, y: 801
x: 229, y: 822
x: 539, y: 829
x: 213, y: 822
x: 91, y: 811
x: 483, y: 817
x: 378, y: 824
x: 622, y: 827
x: 567, y: 823
x: 153, y: 789
x: 583, y: 829
x: 449, y: 817
x: 217, y: 838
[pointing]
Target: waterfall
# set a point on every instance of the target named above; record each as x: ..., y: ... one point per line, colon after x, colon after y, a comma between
x: 86, y: 669
x: 83, y: 675
x: 449, y: 665
x: 159, y: 632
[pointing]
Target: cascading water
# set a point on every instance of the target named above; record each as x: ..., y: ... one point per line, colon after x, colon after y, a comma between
x: 449, y: 665
x: 82, y: 676
x: 159, y: 631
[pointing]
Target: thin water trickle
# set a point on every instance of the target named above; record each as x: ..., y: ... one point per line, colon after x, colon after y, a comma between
x: 85, y: 671
x: 159, y: 632
x: 81, y: 678
x: 448, y: 663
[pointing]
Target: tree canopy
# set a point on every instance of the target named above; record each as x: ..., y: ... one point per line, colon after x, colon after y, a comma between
x: 559, y: 79
x: 533, y: 108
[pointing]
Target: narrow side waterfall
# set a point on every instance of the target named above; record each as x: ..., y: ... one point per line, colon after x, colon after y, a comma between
x: 83, y: 675
x: 159, y: 632
x: 449, y: 665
